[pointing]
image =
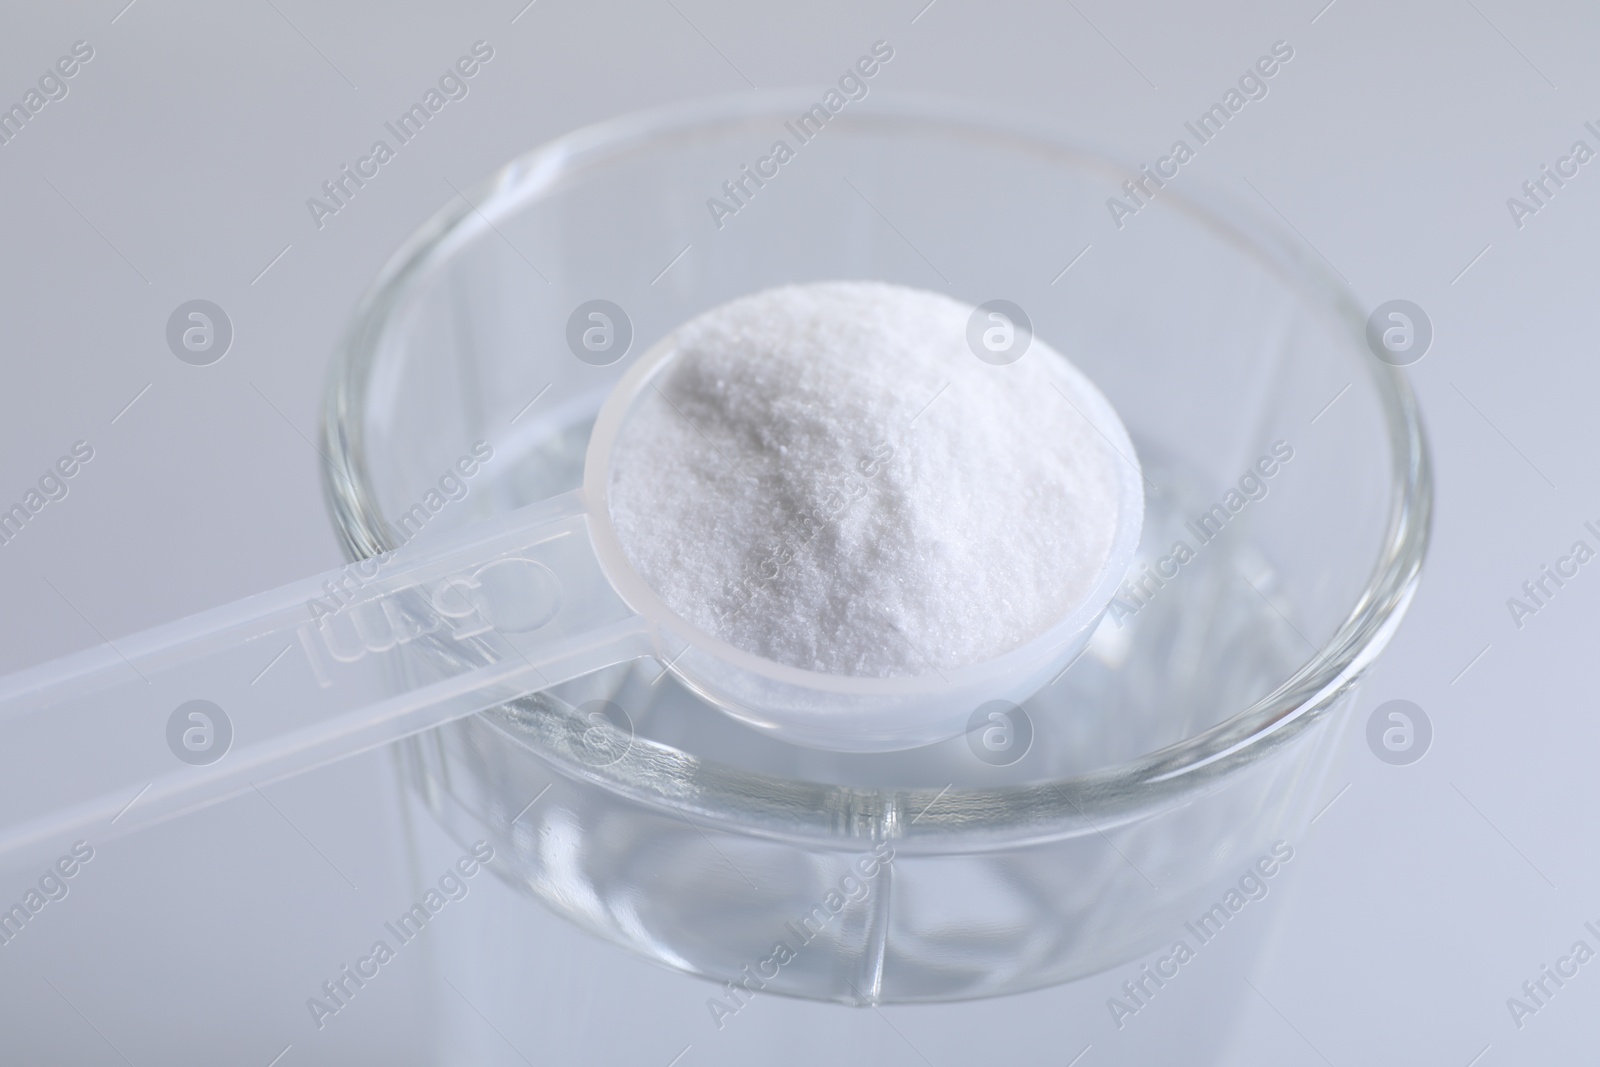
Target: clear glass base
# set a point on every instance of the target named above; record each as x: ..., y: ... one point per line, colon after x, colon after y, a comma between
x: 996, y: 915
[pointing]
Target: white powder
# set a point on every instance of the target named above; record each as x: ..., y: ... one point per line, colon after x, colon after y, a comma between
x: 830, y: 478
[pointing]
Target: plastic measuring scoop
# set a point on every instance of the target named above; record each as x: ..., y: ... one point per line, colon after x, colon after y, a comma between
x: 207, y: 707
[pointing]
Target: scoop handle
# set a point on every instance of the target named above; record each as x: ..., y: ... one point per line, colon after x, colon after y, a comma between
x: 192, y: 712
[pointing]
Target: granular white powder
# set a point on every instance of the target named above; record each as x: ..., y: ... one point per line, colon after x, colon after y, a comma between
x: 830, y: 478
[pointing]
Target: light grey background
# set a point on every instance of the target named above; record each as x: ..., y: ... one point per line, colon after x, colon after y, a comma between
x: 178, y: 168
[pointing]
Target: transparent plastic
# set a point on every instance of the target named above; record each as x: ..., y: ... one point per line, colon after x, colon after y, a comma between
x: 210, y: 706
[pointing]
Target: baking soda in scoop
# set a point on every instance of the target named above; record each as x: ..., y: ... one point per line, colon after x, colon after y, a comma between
x: 835, y: 482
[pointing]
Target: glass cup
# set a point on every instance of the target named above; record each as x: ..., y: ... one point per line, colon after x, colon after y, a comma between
x: 1287, y: 508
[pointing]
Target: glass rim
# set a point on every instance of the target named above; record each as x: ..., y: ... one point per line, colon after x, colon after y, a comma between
x: 753, y: 802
